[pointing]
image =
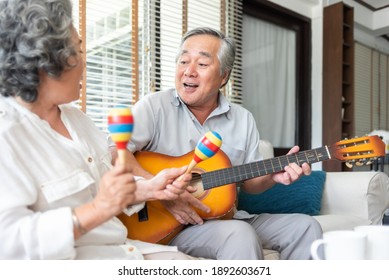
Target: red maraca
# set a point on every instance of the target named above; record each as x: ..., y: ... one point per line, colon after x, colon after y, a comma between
x: 207, y: 147
x: 121, y: 125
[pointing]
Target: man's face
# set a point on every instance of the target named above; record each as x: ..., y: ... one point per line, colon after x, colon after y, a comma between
x: 198, y: 77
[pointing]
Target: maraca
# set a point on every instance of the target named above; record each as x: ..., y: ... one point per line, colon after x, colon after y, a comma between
x: 207, y: 147
x: 121, y: 125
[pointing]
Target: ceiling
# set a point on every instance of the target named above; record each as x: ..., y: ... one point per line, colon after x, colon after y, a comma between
x: 374, y: 5
x: 377, y: 6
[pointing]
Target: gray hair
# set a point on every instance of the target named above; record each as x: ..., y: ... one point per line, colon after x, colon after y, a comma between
x: 226, y: 53
x: 35, y: 35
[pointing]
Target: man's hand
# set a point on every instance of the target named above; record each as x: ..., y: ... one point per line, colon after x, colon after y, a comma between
x: 292, y: 172
x: 182, y: 209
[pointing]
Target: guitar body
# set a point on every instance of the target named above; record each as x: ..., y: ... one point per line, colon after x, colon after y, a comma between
x: 220, y: 178
x: 161, y: 226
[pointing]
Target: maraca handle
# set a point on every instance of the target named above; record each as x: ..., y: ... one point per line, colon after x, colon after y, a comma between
x: 188, y: 170
x: 192, y: 164
x: 122, y: 155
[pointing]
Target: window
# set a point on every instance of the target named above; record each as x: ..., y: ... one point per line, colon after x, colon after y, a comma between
x: 269, y: 79
x: 297, y: 29
x: 131, y: 47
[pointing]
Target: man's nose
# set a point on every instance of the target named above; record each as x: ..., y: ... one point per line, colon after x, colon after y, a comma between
x: 190, y: 71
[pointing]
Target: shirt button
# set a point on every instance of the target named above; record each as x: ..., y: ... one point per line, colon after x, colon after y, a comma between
x: 90, y: 159
x: 130, y: 249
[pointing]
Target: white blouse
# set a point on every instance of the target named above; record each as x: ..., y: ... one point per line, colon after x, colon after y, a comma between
x: 42, y: 176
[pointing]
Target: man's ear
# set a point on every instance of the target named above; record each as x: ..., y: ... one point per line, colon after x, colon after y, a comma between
x: 226, y: 77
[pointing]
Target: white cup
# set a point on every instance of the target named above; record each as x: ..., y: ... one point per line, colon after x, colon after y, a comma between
x: 377, y: 246
x: 340, y: 245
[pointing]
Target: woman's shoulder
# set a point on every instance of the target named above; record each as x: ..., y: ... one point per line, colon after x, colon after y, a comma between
x: 75, y: 115
x: 73, y: 111
x: 73, y: 108
x: 8, y: 113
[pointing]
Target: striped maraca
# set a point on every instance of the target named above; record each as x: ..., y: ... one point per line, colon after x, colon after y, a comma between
x: 207, y: 147
x: 121, y: 125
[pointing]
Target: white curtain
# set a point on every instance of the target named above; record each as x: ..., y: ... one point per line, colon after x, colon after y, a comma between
x: 269, y: 79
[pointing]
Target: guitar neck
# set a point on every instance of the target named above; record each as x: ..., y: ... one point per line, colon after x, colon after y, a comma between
x: 247, y: 171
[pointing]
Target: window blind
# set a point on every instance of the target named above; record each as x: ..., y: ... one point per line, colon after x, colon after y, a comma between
x: 371, y: 90
x: 130, y: 47
x: 383, y: 91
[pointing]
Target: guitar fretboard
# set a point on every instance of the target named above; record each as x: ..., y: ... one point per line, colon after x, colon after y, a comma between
x: 247, y: 171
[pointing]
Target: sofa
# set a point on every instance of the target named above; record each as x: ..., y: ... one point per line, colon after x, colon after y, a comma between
x: 348, y: 199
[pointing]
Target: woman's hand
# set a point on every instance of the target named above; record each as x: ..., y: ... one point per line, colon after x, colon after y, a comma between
x: 168, y: 184
x: 116, y: 191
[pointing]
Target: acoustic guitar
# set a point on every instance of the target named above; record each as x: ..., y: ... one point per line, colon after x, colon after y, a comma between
x: 215, y: 180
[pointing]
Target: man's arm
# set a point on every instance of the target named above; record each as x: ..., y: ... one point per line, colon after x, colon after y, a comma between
x: 132, y: 164
x: 137, y: 169
x: 291, y: 173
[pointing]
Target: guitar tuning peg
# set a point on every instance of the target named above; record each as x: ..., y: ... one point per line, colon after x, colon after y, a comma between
x: 349, y: 164
x: 359, y: 163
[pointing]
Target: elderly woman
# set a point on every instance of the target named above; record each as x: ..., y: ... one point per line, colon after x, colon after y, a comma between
x: 59, y: 193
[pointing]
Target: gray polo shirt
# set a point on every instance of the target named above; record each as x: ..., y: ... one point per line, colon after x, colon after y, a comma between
x: 164, y: 124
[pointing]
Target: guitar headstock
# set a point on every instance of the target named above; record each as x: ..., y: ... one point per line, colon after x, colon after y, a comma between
x: 361, y: 150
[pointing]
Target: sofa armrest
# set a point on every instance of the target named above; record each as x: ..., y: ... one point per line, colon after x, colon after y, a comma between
x: 360, y: 194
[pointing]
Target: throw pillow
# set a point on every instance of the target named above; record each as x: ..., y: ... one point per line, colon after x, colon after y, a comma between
x: 303, y: 196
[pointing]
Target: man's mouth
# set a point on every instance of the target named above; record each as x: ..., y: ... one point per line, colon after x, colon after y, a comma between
x: 189, y: 85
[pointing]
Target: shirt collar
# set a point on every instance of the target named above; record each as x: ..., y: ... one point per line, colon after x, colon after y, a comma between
x: 223, y: 105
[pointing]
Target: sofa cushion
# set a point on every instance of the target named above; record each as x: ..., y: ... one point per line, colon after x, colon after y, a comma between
x: 362, y: 194
x: 303, y: 196
x: 340, y: 222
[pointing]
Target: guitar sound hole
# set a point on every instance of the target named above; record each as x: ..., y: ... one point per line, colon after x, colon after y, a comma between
x: 196, y: 182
